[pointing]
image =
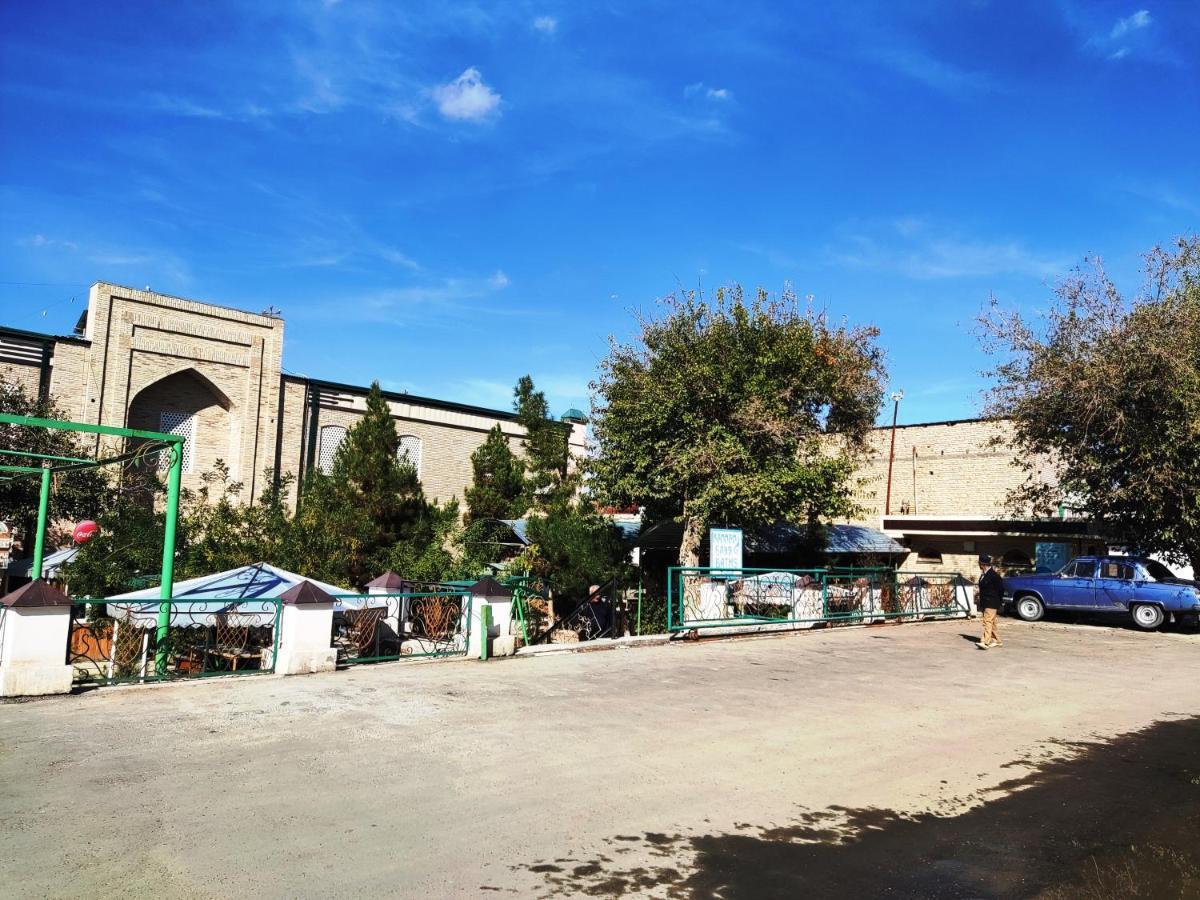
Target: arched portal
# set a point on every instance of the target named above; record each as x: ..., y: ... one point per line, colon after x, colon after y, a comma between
x: 188, y: 404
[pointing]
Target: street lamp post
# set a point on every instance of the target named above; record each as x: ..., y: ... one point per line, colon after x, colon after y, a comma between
x: 887, y: 503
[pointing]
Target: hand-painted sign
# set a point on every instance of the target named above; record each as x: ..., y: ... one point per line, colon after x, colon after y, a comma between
x: 725, y: 551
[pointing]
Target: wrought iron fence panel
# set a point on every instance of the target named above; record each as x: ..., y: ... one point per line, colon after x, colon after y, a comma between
x: 384, y: 627
x: 151, y: 640
x: 709, y: 598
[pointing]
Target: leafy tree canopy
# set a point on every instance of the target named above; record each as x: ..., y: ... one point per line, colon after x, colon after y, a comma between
x: 77, y: 494
x: 716, y: 413
x: 1104, y: 391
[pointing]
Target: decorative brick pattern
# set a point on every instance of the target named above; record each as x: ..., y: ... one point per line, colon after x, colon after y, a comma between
x: 143, y: 354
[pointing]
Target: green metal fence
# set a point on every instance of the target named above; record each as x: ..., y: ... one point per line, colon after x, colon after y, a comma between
x: 143, y: 641
x: 700, y: 597
x: 384, y: 627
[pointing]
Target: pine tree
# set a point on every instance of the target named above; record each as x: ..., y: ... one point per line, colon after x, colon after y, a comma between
x: 497, y: 490
x: 545, y: 442
x: 372, y: 499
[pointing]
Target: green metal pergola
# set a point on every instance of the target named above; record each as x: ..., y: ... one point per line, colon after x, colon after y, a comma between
x: 49, y: 464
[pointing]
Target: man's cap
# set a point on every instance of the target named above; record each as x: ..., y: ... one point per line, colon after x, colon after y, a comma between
x: 984, y: 559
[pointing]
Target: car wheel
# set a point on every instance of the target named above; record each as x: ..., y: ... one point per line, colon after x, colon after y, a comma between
x: 1030, y: 609
x: 1147, y: 616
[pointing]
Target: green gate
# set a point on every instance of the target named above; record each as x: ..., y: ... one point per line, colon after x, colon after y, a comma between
x: 702, y: 597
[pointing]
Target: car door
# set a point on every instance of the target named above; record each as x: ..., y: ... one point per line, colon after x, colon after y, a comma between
x: 1114, y: 585
x: 1076, y: 586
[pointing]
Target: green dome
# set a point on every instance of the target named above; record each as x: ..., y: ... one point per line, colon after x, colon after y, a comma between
x: 574, y: 415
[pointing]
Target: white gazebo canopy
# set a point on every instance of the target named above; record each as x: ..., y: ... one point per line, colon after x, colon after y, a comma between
x: 229, y: 593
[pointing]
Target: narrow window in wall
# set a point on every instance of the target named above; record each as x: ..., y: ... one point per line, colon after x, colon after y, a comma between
x: 184, y: 425
x: 409, y: 451
x: 331, y: 438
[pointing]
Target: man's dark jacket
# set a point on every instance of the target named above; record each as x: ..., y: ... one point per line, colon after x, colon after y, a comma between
x: 991, y: 590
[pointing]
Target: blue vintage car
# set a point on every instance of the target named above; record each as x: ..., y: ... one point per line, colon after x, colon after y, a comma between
x: 1142, y: 588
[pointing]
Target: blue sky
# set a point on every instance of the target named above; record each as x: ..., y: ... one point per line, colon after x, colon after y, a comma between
x: 447, y: 196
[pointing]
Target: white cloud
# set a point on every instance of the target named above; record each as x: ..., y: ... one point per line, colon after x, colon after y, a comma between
x: 392, y: 255
x: 912, y: 248
x: 700, y: 89
x: 1139, y: 19
x: 41, y: 241
x: 1128, y: 37
x: 466, y: 98
x: 546, y: 24
x: 499, y: 279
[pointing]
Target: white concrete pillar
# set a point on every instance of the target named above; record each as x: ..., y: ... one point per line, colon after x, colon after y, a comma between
x: 487, y: 591
x: 35, y: 624
x: 306, y: 630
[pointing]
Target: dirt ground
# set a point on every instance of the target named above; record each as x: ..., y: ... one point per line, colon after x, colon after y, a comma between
x: 881, y: 761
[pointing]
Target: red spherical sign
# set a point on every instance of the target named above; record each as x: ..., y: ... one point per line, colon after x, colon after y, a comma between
x: 85, y: 531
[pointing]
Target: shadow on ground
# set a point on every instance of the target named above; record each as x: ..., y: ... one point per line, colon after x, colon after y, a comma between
x: 1115, y: 819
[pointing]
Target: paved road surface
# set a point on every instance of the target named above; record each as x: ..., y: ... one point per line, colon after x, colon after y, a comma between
x: 888, y: 759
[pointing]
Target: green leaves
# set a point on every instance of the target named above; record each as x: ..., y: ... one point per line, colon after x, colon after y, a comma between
x: 497, y: 489
x: 714, y: 413
x: 1106, y: 393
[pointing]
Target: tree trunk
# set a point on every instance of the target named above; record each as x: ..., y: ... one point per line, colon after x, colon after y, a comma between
x: 689, y: 547
x: 1194, y: 559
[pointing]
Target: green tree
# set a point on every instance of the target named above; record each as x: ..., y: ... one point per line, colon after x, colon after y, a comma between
x: 1104, y: 399
x: 497, y: 489
x: 573, y: 547
x: 126, y: 553
x: 720, y: 413
x: 225, y: 532
x: 81, y: 493
x: 545, y: 441
x: 370, y: 502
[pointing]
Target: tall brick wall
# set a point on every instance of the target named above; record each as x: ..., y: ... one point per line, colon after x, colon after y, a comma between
x: 27, y: 376
x: 943, y: 469
x: 144, y: 353
x: 448, y: 437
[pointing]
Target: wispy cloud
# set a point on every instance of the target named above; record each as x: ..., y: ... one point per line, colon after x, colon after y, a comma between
x: 467, y: 98
x: 701, y: 90
x: 430, y: 301
x: 911, y: 247
x: 1131, y: 36
x: 932, y: 71
x: 1123, y: 38
x: 545, y: 24
x: 1166, y: 195
x: 1139, y: 19
x: 40, y: 241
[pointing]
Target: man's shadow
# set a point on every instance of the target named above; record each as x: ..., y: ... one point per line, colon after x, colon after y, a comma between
x: 973, y: 638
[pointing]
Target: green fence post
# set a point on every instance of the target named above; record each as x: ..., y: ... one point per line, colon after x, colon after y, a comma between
x: 485, y: 626
x: 39, y: 540
x: 168, y: 560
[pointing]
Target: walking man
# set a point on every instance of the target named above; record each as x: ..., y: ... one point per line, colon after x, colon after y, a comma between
x: 991, y: 598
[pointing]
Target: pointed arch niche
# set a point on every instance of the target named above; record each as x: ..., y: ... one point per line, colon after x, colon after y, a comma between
x: 189, y: 404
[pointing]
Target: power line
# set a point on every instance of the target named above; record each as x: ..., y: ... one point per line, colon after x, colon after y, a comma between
x: 46, y: 283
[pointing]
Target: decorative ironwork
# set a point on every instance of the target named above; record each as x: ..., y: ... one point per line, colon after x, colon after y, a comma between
x: 381, y: 627
x: 117, y: 642
x: 706, y: 598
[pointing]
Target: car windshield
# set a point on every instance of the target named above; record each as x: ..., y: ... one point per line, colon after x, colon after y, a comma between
x: 1158, y: 571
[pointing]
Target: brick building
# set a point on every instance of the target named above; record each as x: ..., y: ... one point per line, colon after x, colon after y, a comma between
x: 949, y: 483
x: 146, y: 360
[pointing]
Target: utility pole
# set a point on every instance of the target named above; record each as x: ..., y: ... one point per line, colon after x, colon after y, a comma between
x: 887, y: 504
